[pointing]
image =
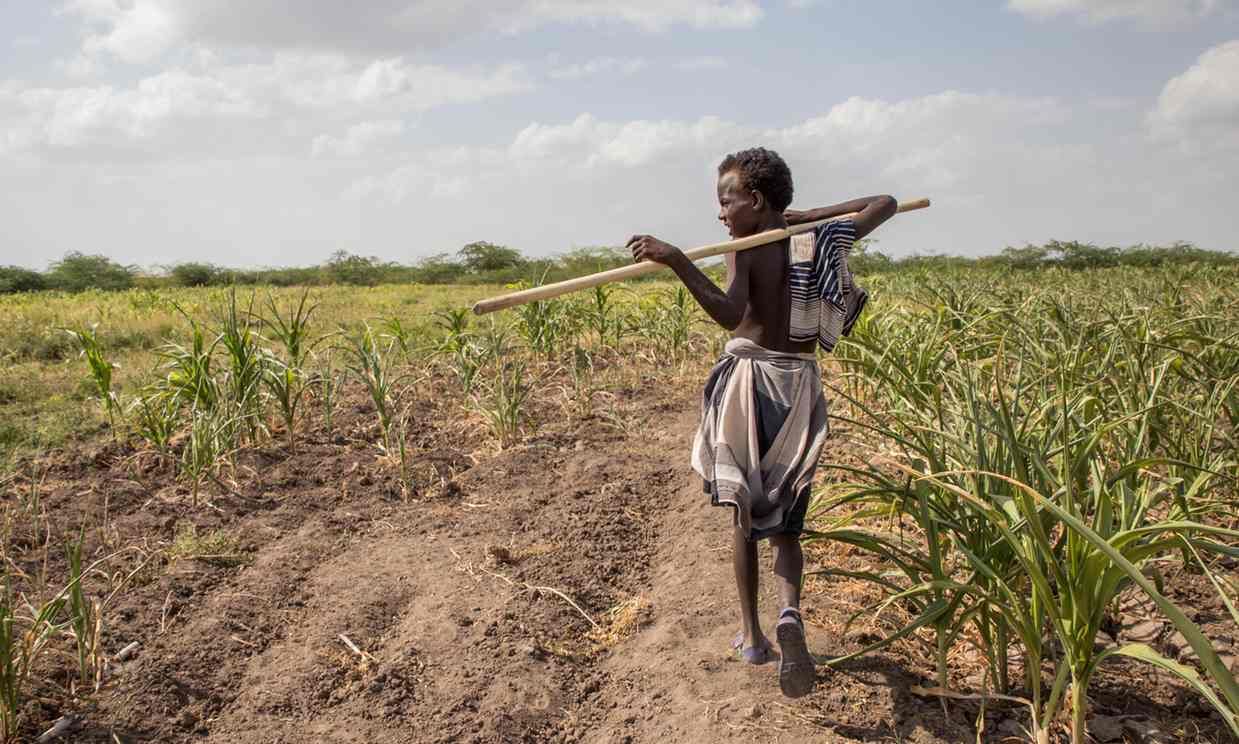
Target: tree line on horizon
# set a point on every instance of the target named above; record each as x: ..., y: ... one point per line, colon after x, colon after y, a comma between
x: 489, y: 263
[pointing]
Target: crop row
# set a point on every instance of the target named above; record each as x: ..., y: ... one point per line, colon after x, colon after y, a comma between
x: 1045, y: 447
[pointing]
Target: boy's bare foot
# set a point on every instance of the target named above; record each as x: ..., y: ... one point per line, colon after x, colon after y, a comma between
x: 796, y: 671
x: 760, y: 653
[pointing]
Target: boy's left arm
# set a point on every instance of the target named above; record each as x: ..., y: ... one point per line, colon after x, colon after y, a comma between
x: 871, y: 212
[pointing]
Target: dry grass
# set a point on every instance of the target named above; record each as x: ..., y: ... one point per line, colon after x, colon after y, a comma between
x: 508, y: 555
x: 215, y: 546
x: 621, y: 621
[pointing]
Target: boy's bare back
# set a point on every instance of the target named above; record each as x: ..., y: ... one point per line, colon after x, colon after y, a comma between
x: 767, y: 313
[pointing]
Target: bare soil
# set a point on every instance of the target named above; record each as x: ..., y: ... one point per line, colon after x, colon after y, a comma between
x: 575, y: 587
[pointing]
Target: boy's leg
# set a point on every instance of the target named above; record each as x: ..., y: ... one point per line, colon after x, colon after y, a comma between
x: 796, y: 667
x: 788, y: 568
x: 744, y: 561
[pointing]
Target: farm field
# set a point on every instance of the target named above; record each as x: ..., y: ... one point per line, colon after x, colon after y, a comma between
x: 372, y: 517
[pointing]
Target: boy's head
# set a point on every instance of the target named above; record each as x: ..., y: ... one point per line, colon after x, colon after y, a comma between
x: 753, y: 186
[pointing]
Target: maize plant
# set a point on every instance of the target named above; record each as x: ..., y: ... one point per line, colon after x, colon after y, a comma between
x: 547, y: 325
x: 455, y: 327
x: 291, y: 328
x: 465, y: 356
x: 601, y: 316
x: 371, y: 364
x: 190, y: 379
x: 211, y: 441
x: 504, y: 401
x: 87, y: 341
x: 85, y: 621
x: 668, y: 320
x: 1041, y: 449
x: 287, y: 385
x: 399, y: 333
x: 23, y: 641
x: 154, y: 417
x: 327, y: 384
x: 246, y: 360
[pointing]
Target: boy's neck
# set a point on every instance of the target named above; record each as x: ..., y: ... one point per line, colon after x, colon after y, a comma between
x: 772, y: 221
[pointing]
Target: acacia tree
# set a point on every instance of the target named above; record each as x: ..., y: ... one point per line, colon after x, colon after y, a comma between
x: 196, y: 274
x: 346, y: 268
x: 77, y: 272
x: 483, y: 256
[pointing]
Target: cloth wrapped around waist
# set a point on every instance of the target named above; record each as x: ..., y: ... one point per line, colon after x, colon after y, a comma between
x: 763, y: 425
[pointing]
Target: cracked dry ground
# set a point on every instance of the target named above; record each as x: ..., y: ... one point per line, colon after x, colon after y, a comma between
x: 467, y: 605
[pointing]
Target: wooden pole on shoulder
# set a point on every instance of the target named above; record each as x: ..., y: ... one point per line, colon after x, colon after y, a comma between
x: 547, y: 291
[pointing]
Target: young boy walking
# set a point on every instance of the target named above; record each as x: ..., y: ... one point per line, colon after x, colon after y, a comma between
x: 764, y: 416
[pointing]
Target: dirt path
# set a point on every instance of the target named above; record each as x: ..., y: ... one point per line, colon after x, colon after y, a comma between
x: 461, y: 607
x: 676, y: 680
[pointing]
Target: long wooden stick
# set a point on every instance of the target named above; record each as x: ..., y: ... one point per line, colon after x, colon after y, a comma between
x: 547, y: 291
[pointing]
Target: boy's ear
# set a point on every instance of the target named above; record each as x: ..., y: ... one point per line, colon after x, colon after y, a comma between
x: 759, y: 200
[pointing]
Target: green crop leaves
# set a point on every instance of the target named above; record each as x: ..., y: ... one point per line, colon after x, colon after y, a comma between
x: 1042, y: 447
x: 87, y: 341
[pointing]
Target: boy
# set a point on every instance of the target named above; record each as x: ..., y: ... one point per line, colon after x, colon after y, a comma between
x: 764, y: 415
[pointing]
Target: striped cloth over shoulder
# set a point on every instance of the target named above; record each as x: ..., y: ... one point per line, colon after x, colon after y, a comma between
x: 824, y: 301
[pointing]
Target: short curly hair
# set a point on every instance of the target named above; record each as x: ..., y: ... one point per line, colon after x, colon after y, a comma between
x: 762, y: 170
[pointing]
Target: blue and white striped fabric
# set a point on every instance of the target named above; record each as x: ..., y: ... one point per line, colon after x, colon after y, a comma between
x: 821, y: 284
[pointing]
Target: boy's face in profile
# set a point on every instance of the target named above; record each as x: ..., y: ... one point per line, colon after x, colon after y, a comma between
x: 739, y: 209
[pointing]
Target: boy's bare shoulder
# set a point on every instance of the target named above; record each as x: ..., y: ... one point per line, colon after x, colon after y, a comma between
x: 770, y: 260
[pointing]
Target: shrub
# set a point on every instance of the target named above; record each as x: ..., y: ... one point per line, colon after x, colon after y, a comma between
x: 437, y: 269
x: 77, y: 272
x: 196, y: 274
x: 17, y: 279
x: 483, y: 257
x: 1028, y: 257
x: 345, y: 268
x: 582, y: 261
x: 1075, y: 255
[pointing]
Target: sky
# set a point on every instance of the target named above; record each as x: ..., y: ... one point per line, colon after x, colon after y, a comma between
x: 275, y: 132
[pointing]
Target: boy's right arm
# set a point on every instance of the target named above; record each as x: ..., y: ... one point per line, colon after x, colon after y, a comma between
x: 727, y: 307
x: 871, y: 212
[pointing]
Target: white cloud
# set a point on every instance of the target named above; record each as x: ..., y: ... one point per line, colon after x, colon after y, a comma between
x: 1001, y: 169
x: 957, y: 146
x: 79, y: 66
x: 1098, y: 11
x: 135, y: 31
x: 599, y: 66
x: 323, y: 81
x: 702, y: 63
x: 942, y: 141
x: 442, y: 173
x: 141, y: 30
x: 648, y: 15
x: 423, y: 87
x: 358, y: 139
x: 229, y: 108
x: 103, y: 116
x: 1199, y: 109
x: 588, y: 143
x: 639, y: 143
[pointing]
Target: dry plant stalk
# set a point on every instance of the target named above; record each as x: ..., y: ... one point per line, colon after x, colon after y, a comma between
x: 470, y: 569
